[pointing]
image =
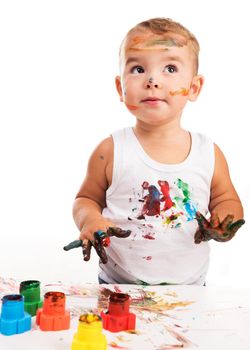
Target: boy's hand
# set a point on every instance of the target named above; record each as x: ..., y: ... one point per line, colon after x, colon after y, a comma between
x: 101, y: 240
x: 89, y: 238
x: 214, y: 229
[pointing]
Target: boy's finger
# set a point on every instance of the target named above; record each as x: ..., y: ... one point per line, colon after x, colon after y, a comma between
x: 202, y: 221
x: 101, y: 252
x: 236, y: 225
x: 214, y: 220
x: 226, y: 222
x: 85, y: 234
x: 118, y: 232
x: 75, y: 244
x: 86, y: 249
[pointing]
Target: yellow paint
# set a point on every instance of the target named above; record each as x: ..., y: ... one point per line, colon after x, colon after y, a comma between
x: 182, y: 91
x: 89, y: 334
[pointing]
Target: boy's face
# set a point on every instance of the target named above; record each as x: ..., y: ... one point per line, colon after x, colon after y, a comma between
x: 157, y: 76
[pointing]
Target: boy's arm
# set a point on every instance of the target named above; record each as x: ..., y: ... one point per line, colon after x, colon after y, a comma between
x: 224, y: 199
x: 225, y: 206
x: 91, y: 198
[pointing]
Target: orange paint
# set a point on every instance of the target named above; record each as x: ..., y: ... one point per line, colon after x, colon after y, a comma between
x: 131, y: 107
x: 182, y: 91
x: 138, y: 39
x: 150, y: 41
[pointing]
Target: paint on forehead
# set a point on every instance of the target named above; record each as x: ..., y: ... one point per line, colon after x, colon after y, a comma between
x: 163, y: 42
x: 182, y: 91
x: 153, y: 42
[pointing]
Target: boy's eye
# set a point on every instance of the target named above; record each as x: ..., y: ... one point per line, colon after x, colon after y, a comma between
x: 170, y: 68
x: 137, y: 70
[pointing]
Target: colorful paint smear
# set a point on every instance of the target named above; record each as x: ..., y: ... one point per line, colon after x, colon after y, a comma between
x: 186, y: 202
x: 182, y: 92
x: 152, y: 200
x: 150, y: 41
x: 158, y: 203
x: 164, y: 185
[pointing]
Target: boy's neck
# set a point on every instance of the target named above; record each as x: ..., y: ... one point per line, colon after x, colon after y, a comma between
x: 167, y: 131
x: 155, y: 140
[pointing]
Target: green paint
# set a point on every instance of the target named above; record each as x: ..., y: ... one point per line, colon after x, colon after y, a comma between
x: 184, y: 187
x: 164, y: 42
x: 142, y: 283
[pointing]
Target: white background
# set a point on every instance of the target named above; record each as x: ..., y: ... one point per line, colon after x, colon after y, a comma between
x: 58, y: 60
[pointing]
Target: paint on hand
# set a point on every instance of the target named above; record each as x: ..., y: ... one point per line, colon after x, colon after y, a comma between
x: 182, y: 92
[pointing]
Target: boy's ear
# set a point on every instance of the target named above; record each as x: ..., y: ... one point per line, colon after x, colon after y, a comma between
x: 119, y: 87
x: 196, y: 86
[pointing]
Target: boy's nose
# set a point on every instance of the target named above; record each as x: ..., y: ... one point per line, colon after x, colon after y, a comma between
x: 152, y: 83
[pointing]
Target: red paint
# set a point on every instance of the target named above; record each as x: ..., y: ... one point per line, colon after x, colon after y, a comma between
x: 148, y: 236
x: 114, y: 345
x: 164, y: 185
x: 147, y: 257
x: 117, y: 289
x: 118, y: 318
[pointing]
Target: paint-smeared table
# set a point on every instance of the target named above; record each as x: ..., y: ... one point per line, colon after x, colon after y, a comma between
x: 168, y: 317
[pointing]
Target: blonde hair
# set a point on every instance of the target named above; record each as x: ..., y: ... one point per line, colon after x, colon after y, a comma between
x: 161, y: 25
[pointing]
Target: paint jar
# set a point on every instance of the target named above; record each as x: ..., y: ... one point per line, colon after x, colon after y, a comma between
x: 53, y: 316
x: 118, y: 318
x: 31, y: 291
x: 13, y: 318
x: 89, y: 334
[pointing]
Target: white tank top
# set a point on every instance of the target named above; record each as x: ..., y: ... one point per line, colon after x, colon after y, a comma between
x: 157, y: 202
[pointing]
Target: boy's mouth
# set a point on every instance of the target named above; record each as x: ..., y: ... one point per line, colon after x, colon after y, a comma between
x: 153, y: 100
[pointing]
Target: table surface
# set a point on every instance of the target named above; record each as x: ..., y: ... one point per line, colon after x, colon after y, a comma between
x: 167, y: 317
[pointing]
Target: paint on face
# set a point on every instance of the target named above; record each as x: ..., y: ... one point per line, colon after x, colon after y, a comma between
x: 182, y: 92
x: 163, y: 42
x: 131, y: 107
x: 150, y: 41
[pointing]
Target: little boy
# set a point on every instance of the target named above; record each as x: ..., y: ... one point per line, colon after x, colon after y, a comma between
x: 157, y: 179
